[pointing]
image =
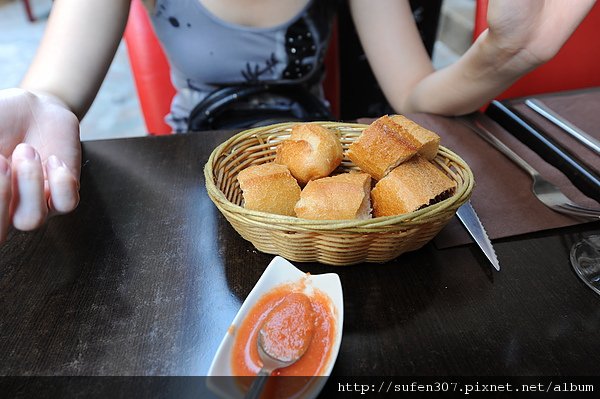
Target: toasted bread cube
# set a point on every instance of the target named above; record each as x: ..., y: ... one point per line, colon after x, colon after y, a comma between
x: 344, y: 196
x: 429, y: 141
x: 311, y: 152
x: 382, y: 146
x: 412, y: 185
x: 269, y: 187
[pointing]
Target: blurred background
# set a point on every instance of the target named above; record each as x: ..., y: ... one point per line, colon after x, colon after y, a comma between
x: 116, y: 110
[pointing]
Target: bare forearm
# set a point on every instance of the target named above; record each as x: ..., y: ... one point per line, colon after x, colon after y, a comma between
x: 481, y: 74
x: 522, y: 36
x: 404, y: 71
x: 79, y: 44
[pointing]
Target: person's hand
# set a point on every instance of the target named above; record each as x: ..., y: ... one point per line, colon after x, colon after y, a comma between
x: 40, y: 159
x: 534, y: 29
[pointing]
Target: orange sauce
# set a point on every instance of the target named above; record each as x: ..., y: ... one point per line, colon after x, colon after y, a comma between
x: 245, y: 358
x: 287, y: 330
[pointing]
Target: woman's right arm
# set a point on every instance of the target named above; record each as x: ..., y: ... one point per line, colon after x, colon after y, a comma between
x: 78, y: 46
x: 40, y: 152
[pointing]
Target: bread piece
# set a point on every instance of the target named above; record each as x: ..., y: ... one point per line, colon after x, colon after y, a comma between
x: 414, y: 184
x: 269, y: 187
x: 344, y: 196
x: 382, y: 146
x: 311, y: 152
x: 428, y: 140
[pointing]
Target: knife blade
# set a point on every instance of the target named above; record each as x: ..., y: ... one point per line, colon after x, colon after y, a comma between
x: 584, y: 138
x: 466, y: 214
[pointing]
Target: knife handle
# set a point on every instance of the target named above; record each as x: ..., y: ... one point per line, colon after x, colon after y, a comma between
x: 580, y: 174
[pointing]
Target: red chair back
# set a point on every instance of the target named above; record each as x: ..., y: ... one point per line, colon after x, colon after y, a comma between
x: 150, y: 69
x: 575, y: 66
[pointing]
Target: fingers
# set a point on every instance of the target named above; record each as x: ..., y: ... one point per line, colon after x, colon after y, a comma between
x: 5, y: 195
x: 28, y: 198
x: 63, y: 186
x: 24, y: 183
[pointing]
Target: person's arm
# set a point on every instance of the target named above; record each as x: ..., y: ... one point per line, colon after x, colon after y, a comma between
x: 79, y: 43
x: 40, y: 150
x: 522, y: 36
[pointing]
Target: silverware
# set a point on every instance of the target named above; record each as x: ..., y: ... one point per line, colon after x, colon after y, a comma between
x: 579, y: 173
x: 296, y: 335
x: 466, y: 214
x: 545, y: 191
x: 587, y: 140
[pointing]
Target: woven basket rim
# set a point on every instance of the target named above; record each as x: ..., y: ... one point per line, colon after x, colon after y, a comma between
x: 269, y: 220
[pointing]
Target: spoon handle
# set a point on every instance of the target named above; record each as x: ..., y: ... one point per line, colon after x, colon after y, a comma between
x: 258, y: 384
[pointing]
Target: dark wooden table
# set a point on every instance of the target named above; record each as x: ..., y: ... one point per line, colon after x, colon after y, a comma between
x: 144, y: 278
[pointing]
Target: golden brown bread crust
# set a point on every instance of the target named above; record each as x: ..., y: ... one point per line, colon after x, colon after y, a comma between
x: 382, y: 146
x: 408, y: 187
x: 344, y: 196
x: 311, y: 152
x: 269, y: 187
x: 392, y: 149
x: 429, y: 142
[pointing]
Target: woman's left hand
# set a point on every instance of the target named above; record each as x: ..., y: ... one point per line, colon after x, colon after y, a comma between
x: 535, y: 29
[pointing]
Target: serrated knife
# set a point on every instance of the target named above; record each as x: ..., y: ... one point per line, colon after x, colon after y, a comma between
x: 466, y: 214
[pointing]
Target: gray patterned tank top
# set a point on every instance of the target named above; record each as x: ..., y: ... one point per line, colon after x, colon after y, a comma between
x: 206, y: 52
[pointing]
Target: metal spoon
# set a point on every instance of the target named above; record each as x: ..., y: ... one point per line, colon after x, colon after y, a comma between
x: 273, y: 359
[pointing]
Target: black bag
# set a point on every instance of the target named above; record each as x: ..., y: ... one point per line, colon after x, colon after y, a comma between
x: 239, y: 107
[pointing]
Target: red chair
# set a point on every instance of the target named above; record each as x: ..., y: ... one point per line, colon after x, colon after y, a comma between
x: 151, y: 70
x: 575, y: 66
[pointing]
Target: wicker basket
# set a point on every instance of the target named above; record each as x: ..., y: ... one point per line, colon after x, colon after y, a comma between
x: 342, y: 242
